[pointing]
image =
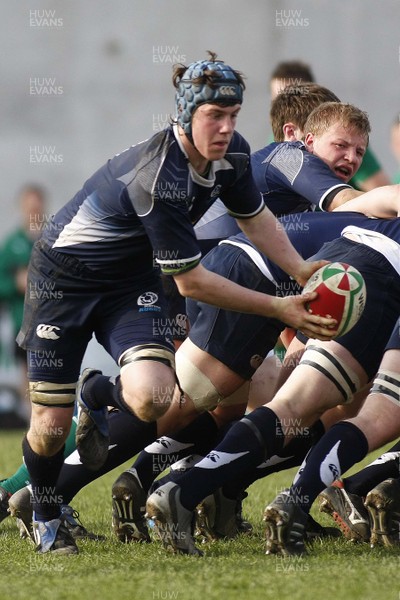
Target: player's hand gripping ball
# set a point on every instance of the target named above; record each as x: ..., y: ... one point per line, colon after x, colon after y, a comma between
x: 341, y: 294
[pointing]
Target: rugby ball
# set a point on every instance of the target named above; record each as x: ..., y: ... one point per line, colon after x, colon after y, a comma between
x: 341, y: 294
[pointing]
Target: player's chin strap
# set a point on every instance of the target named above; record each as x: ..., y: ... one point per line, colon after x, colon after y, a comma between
x: 335, y: 369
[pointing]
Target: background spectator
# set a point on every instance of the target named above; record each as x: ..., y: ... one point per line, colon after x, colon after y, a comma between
x: 292, y: 72
x: 395, y: 145
x: 15, y: 253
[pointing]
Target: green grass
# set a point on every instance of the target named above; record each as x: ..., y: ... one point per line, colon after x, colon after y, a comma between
x: 234, y: 570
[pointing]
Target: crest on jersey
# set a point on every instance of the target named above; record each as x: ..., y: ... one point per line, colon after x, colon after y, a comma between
x: 147, y: 302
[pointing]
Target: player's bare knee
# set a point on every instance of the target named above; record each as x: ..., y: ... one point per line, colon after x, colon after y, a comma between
x: 47, y: 434
x: 150, y: 397
x: 151, y: 412
x: 148, y: 380
x: 52, y: 408
x: 149, y: 404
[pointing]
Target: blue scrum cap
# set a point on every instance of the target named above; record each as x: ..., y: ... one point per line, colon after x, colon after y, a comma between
x: 222, y: 86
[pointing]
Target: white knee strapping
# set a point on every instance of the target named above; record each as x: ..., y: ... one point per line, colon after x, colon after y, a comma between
x: 335, y: 369
x: 195, y: 384
x: 52, y: 394
x: 154, y: 352
x: 388, y: 384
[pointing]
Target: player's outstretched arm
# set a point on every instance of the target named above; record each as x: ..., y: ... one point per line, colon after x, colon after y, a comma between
x: 269, y: 235
x: 342, y: 197
x: 383, y: 203
x: 209, y: 287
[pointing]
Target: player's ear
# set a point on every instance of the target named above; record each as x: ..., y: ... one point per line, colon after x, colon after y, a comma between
x: 309, y: 141
x: 289, y: 132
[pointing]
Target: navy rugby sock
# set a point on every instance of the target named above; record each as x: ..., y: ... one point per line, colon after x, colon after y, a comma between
x: 387, y: 466
x: 43, y: 473
x: 247, y: 444
x: 128, y: 435
x: 339, y: 449
x: 101, y: 390
x: 292, y: 455
x: 198, y: 437
x: 20, y: 478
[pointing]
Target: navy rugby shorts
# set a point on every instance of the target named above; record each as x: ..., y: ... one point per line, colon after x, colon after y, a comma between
x: 240, y: 341
x: 367, y: 340
x: 66, y: 303
x: 394, y: 342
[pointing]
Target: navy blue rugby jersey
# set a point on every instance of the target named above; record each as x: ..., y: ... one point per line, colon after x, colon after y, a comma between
x: 140, y: 207
x: 216, y: 223
x: 292, y: 180
x: 309, y: 231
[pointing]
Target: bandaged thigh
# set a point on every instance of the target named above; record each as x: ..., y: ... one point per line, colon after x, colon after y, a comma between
x: 388, y: 384
x: 332, y: 367
x: 45, y: 393
x: 154, y: 352
x: 196, y: 385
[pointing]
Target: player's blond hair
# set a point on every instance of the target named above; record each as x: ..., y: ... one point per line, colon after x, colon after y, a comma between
x: 329, y: 113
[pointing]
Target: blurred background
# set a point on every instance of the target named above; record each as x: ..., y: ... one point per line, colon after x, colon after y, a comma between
x: 84, y: 79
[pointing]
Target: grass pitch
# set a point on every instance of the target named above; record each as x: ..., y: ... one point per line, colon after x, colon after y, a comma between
x: 233, y: 570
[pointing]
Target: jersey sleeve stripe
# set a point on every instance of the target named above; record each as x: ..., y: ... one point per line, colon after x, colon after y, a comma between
x: 176, y: 267
x: 238, y: 215
x: 335, y: 188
